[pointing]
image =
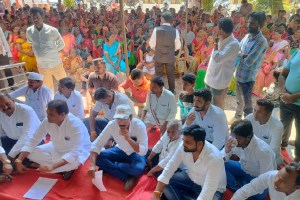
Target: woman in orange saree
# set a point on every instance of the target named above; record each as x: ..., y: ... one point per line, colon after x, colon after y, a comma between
x: 197, y: 43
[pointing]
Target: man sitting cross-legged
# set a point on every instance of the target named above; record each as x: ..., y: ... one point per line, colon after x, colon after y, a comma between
x: 282, y: 185
x: 69, y: 146
x: 126, y: 160
x: 205, y: 175
x: 165, y: 148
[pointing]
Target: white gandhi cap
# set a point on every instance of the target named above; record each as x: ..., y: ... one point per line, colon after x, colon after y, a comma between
x: 35, y: 76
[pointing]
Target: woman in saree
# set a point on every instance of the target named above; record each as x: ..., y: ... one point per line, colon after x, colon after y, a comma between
x: 113, y: 54
x: 277, y: 52
x: 25, y: 53
x: 206, y: 51
x: 13, y: 43
x: 70, y: 42
x: 197, y: 43
x: 74, y: 66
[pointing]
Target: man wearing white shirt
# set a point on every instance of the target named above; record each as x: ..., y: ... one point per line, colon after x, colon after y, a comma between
x: 282, y: 185
x: 222, y: 61
x: 106, y: 103
x: 18, y: 122
x: 36, y: 94
x: 210, y: 117
x: 165, y: 41
x: 5, y: 167
x: 267, y: 127
x: 204, y: 178
x: 126, y: 160
x: 69, y: 146
x: 256, y: 157
x: 165, y: 148
x: 160, y: 105
x: 46, y: 42
x: 66, y: 92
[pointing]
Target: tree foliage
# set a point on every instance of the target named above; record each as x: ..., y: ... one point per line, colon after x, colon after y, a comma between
x: 207, y: 5
x: 69, y: 3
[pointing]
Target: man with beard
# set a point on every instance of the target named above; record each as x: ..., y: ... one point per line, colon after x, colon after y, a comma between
x: 36, y: 94
x: 255, y: 157
x: 18, y: 122
x: 126, y: 160
x: 205, y: 174
x: 282, y: 185
x: 253, y: 49
x: 210, y: 117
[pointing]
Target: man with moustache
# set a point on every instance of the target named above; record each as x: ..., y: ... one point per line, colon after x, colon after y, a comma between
x: 36, y: 94
x: 18, y: 122
x: 210, y: 117
x: 46, y: 42
x: 283, y: 184
x: 205, y: 175
x: 126, y: 160
x: 253, y: 49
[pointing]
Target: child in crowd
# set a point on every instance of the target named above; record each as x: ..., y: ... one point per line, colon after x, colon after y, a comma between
x: 149, y: 68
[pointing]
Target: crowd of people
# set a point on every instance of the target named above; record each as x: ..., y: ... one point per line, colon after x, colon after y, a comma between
x: 198, y: 156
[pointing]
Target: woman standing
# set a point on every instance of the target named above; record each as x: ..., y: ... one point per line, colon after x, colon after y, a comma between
x: 197, y: 43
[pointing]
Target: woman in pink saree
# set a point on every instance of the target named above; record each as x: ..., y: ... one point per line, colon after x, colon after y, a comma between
x: 276, y: 54
x: 197, y: 43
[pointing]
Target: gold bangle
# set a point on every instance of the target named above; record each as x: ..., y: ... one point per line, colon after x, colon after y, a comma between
x: 158, y: 192
x: 18, y: 161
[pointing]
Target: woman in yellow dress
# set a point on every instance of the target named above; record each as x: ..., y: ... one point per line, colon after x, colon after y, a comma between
x: 25, y: 53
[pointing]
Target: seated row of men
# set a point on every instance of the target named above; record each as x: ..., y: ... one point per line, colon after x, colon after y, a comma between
x: 191, y: 166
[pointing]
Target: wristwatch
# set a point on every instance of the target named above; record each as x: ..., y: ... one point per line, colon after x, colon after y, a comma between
x: 6, y: 162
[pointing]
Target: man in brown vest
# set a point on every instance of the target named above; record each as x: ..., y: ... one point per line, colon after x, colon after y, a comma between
x: 165, y: 41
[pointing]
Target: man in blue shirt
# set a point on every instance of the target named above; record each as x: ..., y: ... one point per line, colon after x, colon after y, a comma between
x: 253, y: 49
x: 289, y: 87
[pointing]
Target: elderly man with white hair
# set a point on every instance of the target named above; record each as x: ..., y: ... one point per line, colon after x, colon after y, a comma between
x: 126, y: 160
x: 165, y: 148
x: 36, y: 94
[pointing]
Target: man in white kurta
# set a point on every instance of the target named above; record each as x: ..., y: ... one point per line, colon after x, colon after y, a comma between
x: 126, y: 160
x: 36, y: 94
x: 210, y: 117
x: 66, y: 92
x: 282, y: 185
x: 69, y: 146
x: 18, y: 122
x: 46, y: 43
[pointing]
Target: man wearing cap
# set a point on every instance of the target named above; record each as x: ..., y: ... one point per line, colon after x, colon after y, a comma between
x: 18, y: 122
x: 126, y: 160
x: 36, y: 94
x: 69, y: 146
x: 46, y: 42
x: 106, y: 103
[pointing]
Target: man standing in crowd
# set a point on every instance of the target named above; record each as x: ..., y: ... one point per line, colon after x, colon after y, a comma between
x: 221, y: 64
x: 36, y: 94
x: 46, y: 42
x: 18, y: 123
x: 5, y: 56
x: 165, y: 41
x: 253, y: 49
x: 69, y: 146
x: 66, y: 92
x: 126, y: 160
x: 289, y: 87
x: 160, y: 105
x: 205, y: 175
x: 267, y: 127
x: 209, y: 117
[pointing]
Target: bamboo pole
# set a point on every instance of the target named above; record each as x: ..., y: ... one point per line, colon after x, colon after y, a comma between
x: 124, y: 36
x: 186, y: 25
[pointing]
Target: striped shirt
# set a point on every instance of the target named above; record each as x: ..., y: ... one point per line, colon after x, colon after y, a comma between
x: 253, y: 49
